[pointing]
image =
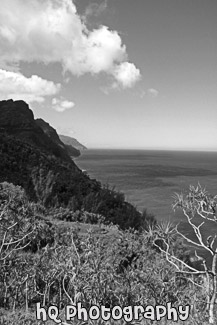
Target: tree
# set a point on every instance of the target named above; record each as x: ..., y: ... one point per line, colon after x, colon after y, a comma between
x: 199, y: 208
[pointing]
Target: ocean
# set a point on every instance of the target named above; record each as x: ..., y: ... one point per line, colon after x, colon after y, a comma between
x: 150, y: 178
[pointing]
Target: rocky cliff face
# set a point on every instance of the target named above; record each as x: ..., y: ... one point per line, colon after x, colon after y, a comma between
x: 72, y: 142
x: 15, y: 116
x: 45, y: 178
x: 33, y: 156
x: 52, y: 134
x: 17, y: 119
x: 35, y: 159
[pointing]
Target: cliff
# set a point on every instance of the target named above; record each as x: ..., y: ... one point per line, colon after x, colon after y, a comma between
x: 33, y: 156
x: 52, y: 134
x: 69, y: 141
x: 16, y: 119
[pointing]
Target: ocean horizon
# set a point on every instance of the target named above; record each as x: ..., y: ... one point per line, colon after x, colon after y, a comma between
x: 149, y: 178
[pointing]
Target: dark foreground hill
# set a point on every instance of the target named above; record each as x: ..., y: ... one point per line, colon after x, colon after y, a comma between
x: 37, y: 162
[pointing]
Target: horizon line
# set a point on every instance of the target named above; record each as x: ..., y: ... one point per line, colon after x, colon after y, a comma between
x: 155, y: 149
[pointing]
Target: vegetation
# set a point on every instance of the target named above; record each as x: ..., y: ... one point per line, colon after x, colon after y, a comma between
x: 56, y: 183
x: 199, y: 208
x: 54, y: 263
x: 66, y: 239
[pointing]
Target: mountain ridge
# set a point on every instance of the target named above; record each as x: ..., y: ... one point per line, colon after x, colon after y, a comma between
x: 67, y: 140
x: 52, y: 134
x: 37, y: 161
x: 17, y: 119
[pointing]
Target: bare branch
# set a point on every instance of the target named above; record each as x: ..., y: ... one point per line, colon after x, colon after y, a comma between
x: 20, y: 239
x: 192, y: 269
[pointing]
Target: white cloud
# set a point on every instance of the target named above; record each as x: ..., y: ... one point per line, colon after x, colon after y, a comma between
x: 153, y: 92
x: 126, y: 74
x: 16, y: 86
x: 103, y: 50
x: 52, y: 31
x: 60, y: 105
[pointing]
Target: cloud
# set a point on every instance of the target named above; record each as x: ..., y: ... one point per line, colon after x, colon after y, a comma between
x: 126, y: 74
x: 52, y: 31
x: 34, y: 89
x: 153, y: 92
x: 102, y: 50
x: 61, y: 105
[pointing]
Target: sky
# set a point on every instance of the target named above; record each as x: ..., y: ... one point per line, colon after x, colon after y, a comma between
x: 131, y: 74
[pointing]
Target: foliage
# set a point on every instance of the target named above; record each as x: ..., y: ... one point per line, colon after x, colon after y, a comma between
x: 55, y: 183
x: 60, y: 266
x: 16, y: 220
x: 76, y: 216
x: 199, y: 208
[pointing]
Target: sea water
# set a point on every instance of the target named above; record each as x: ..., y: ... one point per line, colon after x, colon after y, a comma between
x: 150, y: 178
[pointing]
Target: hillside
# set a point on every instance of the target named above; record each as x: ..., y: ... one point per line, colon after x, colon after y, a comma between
x: 58, y: 243
x: 52, y: 134
x: 69, y: 141
x: 16, y: 119
x: 37, y: 161
x: 59, y: 263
